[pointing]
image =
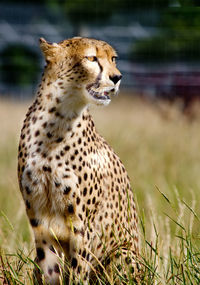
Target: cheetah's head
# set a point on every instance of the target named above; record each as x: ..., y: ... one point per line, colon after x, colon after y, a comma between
x: 85, y: 68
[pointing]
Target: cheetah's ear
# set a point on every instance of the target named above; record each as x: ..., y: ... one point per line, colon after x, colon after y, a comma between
x: 49, y: 49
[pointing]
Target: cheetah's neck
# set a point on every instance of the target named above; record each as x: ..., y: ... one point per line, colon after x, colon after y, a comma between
x: 55, y: 115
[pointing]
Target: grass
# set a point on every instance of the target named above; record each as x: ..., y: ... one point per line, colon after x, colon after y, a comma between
x: 161, y: 154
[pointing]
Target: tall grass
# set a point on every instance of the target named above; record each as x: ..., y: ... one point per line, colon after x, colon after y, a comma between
x: 161, y: 154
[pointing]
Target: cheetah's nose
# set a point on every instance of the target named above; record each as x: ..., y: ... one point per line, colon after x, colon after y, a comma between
x: 115, y: 78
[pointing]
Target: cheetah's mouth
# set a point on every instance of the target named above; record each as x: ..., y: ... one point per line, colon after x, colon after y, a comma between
x: 102, y: 97
x: 99, y: 95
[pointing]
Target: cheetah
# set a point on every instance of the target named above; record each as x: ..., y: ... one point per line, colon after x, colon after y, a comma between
x: 76, y: 190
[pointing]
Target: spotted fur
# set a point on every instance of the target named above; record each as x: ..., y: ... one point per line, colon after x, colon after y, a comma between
x: 76, y: 190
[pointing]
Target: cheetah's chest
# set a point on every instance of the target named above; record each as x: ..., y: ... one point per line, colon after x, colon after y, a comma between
x: 55, y: 184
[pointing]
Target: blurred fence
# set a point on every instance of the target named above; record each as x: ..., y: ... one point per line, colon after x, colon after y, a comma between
x: 21, y: 61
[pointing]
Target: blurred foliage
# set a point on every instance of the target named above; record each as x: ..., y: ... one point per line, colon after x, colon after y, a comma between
x: 87, y: 12
x: 99, y: 10
x: 178, y: 38
x: 126, y: 4
x: 84, y: 12
x: 19, y: 65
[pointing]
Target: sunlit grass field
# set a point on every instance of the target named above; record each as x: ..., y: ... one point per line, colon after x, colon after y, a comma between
x: 161, y: 152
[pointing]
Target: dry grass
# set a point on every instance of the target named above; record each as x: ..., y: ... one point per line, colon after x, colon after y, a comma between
x: 161, y: 154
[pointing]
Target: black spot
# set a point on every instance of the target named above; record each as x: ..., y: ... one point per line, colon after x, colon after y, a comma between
x: 49, y: 169
x: 37, y: 133
x: 57, y: 114
x: 49, y: 135
x: 84, y: 253
x: 50, y: 270
x: 62, y: 153
x: 79, y: 180
x: 52, y: 248
x: 59, y: 140
x: 28, y: 190
x: 56, y: 268
x: 34, y: 119
x: 132, y: 270
x: 74, y: 262
x: 91, y: 190
x: 67, y: 190
x: 44, y: 241
x: 86, y: 275
x: 79, y: 268
x: 57, y: 184
x: 78, y: 200
x: 45, y: 168
x: 34, y: 222
x: 44, y: 125
x: 28, y: 205
x: 108, y: 261
x: 71, y: 209
x: 67, y: 147
x: 28, y: 173
x: 53, y: 109
x: 118, y: 254
x: 84, y: 191
x: 85, y: 176
x: 40, y: 253
x: 82, y: 232
x: 128, y: 260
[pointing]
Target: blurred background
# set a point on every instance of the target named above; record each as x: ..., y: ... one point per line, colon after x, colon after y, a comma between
x: 158, y: 43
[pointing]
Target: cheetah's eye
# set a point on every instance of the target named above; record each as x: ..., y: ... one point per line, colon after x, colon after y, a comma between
x: 114, y: 59
x: 91, y: 58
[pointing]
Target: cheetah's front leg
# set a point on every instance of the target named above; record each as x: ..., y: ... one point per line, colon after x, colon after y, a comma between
x: 60, y: 260
x: 48, y: 258
x: 63, y: 237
